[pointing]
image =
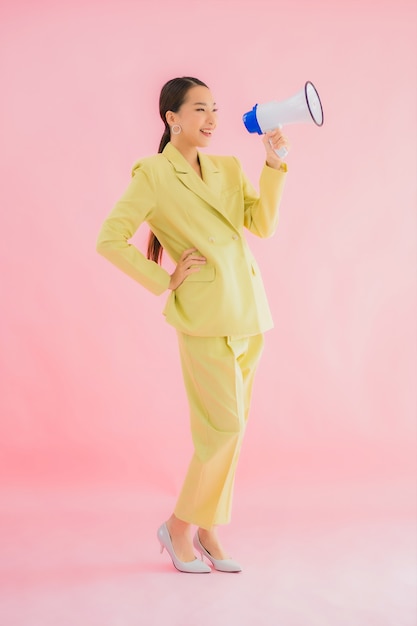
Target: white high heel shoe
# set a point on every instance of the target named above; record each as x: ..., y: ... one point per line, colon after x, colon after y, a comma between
x: 222, y: 565
x: 190, y: 567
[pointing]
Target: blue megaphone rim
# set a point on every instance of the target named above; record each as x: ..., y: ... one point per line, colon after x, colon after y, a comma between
x: 251, y: 122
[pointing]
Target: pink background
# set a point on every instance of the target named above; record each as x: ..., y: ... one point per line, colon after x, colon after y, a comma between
x: 91, y: 390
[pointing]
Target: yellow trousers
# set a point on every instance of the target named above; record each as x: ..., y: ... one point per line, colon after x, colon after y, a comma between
x: 218, y: 375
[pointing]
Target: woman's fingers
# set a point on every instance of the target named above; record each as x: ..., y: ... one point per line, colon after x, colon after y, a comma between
x: 189, y: 258
x: 189, y: 263
x: 186, y: 253
x: 276, y: 139
x: 273, y: 141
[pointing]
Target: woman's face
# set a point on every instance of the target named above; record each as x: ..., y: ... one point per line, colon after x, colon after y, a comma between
x: 197, y: 117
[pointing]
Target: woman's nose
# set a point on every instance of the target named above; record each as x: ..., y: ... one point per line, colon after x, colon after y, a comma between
x: 212, y: 119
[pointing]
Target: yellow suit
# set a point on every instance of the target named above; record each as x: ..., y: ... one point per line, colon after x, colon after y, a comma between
x: 220, y: 312
x: 227, y: 296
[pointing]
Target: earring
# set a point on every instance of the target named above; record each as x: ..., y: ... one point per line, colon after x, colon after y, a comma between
x: 176, y: 129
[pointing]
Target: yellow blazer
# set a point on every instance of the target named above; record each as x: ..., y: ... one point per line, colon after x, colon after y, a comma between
x: 227, y: 296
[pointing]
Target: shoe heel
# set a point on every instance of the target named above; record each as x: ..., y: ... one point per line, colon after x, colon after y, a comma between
x: 192, y: 567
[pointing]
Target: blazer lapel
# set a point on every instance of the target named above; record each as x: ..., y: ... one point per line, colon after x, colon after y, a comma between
x: 208, y: 189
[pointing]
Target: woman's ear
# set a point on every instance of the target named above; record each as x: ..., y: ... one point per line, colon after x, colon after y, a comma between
x: 170, y: 118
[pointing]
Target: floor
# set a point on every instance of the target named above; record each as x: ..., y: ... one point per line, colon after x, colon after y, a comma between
x: 313, y: 555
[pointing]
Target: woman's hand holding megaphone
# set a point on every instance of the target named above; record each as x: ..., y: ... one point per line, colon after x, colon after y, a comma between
x: 276, y: 146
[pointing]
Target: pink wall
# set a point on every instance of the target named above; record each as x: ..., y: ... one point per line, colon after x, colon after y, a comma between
x: 89, y: 369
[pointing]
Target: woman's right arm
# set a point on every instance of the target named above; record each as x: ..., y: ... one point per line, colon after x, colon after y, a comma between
x: 134, y: 207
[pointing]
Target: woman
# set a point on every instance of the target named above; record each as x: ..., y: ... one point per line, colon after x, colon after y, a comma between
x: 196, y: 207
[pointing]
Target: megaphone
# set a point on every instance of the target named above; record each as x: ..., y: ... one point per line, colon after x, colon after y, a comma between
x: 304, y: 106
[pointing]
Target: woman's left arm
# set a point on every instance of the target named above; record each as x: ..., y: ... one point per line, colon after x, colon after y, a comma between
x: 262, y: 210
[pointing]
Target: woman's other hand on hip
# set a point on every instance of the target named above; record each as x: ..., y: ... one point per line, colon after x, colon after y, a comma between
x: 190, y: 262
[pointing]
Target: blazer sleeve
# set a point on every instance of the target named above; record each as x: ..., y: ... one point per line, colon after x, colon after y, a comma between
x: 262, y: 210
x: 134, y: 207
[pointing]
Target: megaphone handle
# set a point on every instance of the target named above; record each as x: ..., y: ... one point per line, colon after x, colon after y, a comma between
x: 282, y: 152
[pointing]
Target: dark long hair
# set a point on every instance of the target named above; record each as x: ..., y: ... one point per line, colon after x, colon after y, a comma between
x: 173, y: 94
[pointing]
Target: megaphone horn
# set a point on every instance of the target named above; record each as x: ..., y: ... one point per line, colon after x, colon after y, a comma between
x: 304, y: 106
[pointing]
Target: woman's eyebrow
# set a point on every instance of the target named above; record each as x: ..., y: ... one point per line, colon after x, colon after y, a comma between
x: 203, y: 103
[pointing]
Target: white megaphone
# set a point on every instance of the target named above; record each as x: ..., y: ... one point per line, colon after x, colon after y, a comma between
x: 304, y: 106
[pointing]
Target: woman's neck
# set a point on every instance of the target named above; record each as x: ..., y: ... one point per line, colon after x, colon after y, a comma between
x: 190, y: 154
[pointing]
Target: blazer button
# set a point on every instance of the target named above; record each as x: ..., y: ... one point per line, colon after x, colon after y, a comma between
x: 235, y: 237
x: 211, y: 239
